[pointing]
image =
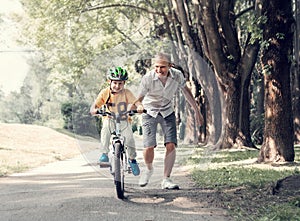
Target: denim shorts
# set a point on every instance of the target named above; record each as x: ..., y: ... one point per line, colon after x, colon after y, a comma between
x: 168, y: 125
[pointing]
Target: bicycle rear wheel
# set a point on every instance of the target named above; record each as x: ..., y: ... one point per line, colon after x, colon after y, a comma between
x: 119, y: 172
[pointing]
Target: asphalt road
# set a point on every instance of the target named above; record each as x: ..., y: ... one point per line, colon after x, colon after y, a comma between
x: 77, y: 189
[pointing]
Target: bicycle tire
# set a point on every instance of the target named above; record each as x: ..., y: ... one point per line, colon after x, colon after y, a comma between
x: 119, y: 171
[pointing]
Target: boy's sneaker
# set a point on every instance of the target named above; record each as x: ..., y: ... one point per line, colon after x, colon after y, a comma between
x: 167, y: 183
x: 103, y: 158
x: 134, y: 167
x: 144, y: 180
x: 104, y: 161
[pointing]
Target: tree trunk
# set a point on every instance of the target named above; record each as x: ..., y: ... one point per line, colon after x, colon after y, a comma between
x: 232, y: 100
x: 260, y: 98
x: 278, y: 132
x: 257, y: 123
x: 216, y: 108
x: 296, y: 102
x: 296, y: 77
x: 245, y: 136
x: 233, y: 72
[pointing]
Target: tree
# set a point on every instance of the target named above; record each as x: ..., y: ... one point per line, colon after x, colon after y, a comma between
x: 296, y: 75
x: 216, y: 43
x: 276, y: 60
x: 209, y: 30
x: 72, y: 43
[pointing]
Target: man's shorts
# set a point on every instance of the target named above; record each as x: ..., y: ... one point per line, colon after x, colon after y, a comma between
x: 168, y: 125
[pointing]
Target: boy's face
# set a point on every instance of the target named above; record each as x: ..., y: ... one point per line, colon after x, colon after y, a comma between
x: 117, y: 86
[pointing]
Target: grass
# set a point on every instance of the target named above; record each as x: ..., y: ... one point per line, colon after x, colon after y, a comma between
x: 245, y: 189
x: 235, y: 156
x: 234, y: 176
x: 5, y: 169
x: 23, y: 147
x: 73, y: 135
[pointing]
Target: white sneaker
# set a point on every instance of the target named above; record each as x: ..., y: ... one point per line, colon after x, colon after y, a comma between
x: 167, y: 183
x: 145, y: 177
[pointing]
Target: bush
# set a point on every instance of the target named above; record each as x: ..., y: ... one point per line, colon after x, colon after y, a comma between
x: 66, y: 110
x: 78, y: 119
x: 257, y: 127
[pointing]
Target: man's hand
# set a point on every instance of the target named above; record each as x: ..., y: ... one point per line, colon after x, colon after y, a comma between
x: 140, y: 108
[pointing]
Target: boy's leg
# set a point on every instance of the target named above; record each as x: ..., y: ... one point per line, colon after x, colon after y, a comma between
x: 105, y: 142
x: 129, y: 139
x: 131, y: 150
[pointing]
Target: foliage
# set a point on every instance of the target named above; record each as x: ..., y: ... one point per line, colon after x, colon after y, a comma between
x: 72, y: 35
x: 66, y: 110
x: 257, y: 127
x: 18, y: 108
x: 81, y: 39
x: 78, y: 119
x: 35, y: 103
x: 257, y: 106
x: 248, y: 22
x: 6, y: 169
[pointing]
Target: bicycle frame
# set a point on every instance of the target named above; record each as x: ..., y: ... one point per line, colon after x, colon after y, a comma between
x: 119, y: 165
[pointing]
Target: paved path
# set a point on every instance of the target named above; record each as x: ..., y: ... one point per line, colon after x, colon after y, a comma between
x: 77, y: 189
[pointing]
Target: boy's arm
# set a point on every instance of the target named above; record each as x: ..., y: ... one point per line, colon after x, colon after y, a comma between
x: 99, y: 101
x: 93, y: 108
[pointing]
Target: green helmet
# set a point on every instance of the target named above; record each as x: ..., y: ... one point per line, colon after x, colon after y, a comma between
x: 117, y: 74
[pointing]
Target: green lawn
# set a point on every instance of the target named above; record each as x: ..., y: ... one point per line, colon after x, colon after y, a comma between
x: 246, y: 188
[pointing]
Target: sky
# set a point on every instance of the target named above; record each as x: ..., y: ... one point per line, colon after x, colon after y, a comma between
x: 13, y: 65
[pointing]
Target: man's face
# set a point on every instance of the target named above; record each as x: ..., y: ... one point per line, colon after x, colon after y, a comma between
x: 117, y: 86
x: 161, y: 68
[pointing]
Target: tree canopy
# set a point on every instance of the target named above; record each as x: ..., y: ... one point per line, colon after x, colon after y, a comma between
x: 216, y: 44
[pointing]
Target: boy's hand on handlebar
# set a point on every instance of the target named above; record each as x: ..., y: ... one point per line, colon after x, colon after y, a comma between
x: 93, y: 111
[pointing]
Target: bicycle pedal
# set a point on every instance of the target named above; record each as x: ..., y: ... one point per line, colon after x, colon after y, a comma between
x: 104, y: 164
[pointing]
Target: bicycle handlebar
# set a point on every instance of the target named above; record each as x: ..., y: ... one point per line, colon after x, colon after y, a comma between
x: 107, y: 113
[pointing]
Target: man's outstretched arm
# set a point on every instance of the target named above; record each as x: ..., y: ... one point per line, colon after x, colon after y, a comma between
x: 191, y: 100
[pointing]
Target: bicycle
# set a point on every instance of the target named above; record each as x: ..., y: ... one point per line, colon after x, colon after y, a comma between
x: 119, y: 159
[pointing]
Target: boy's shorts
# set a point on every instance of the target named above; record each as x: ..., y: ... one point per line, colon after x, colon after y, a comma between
x: 168, y: 125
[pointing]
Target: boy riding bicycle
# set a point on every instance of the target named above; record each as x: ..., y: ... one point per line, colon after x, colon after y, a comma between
x: 117, y: 99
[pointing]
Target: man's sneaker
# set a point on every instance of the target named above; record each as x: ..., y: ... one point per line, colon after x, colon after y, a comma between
x: 144, y: 180
x: 167, y: 183
x: 103, y: 158
x: 134, y: 167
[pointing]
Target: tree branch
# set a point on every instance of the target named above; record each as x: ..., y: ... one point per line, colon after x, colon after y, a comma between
x: 228, y: 31
x: 99, y: 7
x: 244, y: 12
x: 127, y: 37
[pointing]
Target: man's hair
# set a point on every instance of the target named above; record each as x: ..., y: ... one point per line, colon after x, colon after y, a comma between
x: 162, y: 56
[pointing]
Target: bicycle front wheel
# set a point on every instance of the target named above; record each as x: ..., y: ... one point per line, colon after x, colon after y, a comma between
x: 119, y: 172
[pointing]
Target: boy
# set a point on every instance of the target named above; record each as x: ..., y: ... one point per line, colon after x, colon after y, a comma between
x: 117, y: 98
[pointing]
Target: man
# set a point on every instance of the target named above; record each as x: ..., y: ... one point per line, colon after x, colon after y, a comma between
x: 157, y: 90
